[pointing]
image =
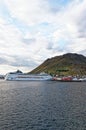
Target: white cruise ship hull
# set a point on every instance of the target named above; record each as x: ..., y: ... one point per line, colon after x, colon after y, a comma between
x: 29, y: 77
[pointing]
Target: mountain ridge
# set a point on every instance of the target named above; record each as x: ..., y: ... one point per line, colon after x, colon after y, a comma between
x: 66, y: 64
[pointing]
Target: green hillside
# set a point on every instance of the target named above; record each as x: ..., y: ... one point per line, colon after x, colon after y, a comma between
x: 67, y: 64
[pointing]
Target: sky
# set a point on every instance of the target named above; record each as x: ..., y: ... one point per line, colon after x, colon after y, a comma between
x: 33, y: 30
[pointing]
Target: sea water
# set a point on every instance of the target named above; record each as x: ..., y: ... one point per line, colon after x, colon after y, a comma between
x: 42, y: 105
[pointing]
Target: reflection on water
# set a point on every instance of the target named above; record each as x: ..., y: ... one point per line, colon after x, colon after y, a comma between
x: 45, y: 105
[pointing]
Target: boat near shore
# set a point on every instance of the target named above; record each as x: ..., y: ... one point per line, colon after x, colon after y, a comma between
x: 70, y: 79
x: 19, y: 76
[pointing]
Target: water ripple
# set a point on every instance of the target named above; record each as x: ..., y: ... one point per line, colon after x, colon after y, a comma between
x: 42, y: 106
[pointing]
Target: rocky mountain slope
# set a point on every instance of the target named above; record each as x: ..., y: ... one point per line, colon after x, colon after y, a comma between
x: 67, y: 64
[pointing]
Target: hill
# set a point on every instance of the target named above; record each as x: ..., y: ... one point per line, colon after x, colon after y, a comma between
x: 67, y: 64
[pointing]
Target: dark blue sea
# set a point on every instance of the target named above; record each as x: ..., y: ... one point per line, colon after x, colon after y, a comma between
x: 42, y: 105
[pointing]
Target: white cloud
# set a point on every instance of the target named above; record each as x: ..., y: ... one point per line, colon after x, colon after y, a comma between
x: 28, y: 11
x: 64, y: 32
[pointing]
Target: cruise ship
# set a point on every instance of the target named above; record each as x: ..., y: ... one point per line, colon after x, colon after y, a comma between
x: 19, y: 76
